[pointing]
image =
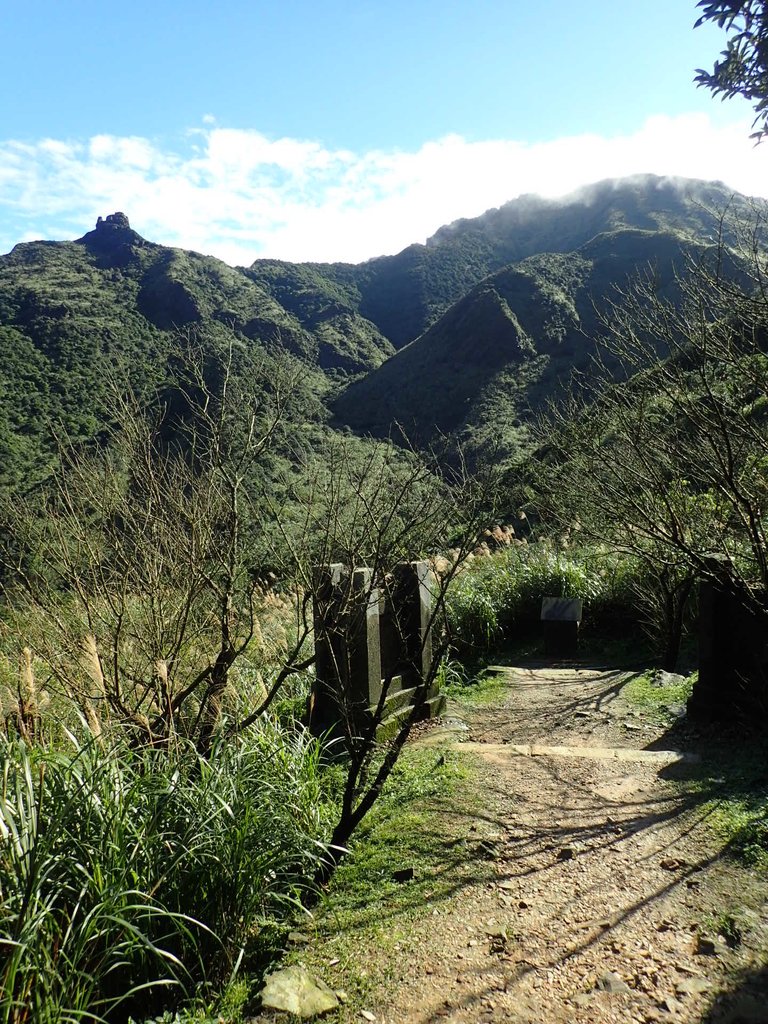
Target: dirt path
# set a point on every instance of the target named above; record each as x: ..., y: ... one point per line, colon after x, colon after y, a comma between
x: 606, y: 889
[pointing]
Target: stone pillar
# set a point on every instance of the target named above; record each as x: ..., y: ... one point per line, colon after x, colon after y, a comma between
x: 561, y: 617
x: 348, y: 657
x: 363, y: 646
x: 413, y: 585
x: 392, y: 658
x: 359, y: 635
x: 330, y: 584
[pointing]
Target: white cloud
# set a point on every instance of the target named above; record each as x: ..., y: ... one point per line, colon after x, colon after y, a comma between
x: 238, y: 195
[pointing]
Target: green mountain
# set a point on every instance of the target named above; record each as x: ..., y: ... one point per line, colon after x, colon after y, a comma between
x: 71, y: 313
x: 504, y: 349
x: 464, y: 335
x: 406, y: 293
x: 346, y: 341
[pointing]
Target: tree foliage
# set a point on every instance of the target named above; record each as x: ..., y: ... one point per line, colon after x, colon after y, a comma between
x: 742, y: 69
x: 672, y: 463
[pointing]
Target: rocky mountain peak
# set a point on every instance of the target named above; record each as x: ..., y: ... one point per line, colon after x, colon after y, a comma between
x: 113, y: 240
x: 112, y: 221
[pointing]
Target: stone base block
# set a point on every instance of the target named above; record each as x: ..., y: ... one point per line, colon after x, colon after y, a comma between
x: 433, y: 707
x: 561, y: 639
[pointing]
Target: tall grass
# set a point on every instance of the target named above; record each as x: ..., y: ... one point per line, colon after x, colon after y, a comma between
x: 500, y: 596
x: 130, y: 877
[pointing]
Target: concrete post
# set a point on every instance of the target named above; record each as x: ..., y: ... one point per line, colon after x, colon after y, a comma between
x: 733, y: 651
x: 359, y: 635
x: 363, y: 646
x: 348, y: 655
x: 413, y: 585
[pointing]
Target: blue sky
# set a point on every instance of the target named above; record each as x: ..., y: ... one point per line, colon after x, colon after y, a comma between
x: 343, y: 130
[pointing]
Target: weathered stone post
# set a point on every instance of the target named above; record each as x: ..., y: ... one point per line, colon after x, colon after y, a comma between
x: 412, y: 589
x: 348, y: 656
x: 329, y: 653
x: 363, y: 681
x: 561, y: 617
x: 413, y: 596
x: 373, y: 648
x: 733, y: 650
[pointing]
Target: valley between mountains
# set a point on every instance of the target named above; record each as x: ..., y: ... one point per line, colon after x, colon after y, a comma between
x: 464, y: 338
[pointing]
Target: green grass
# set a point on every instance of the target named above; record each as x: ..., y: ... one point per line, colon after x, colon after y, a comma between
x: 486, y: 687
x: 186, y: 876
x: 399, y: 833
x: 497, y: 599
x: 643, y: 693
x: 732, y: 780
x: 364, y: 920
x: 229, y: 1007
x: 131, y: 877
x: 469, y: 683
x: 740, y: 819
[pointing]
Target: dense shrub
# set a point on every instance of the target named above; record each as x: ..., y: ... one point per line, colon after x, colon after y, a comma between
x: 500, y: 596
x: 128, y: 877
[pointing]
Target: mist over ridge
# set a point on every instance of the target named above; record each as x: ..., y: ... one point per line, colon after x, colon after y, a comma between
x: 463, y: 335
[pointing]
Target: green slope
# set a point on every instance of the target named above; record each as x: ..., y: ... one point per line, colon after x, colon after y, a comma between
x: 489, y: 316
x: 346, y: 341
x: 506, y: 348
x: 405, y: 294
x: 72, y: 314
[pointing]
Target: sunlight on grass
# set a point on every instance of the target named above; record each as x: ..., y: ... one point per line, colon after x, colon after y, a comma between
x: 408, y: 858
x: 743, y: 824
x: 485, y: 688
x: 642, y: 691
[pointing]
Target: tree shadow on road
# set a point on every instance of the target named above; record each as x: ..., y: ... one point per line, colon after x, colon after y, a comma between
x: 745, y: 1001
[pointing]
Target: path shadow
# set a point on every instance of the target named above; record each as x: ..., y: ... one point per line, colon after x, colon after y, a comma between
x: 574, y: 698
x: 733, y: 766
x: 732, y: 763
x: 744, y: 1002
x: 612, y: 820
x: 690, y: 809
x: 497, y: 846
x: 519, y: 970
x: 478, y: 842
x: 733, y: 757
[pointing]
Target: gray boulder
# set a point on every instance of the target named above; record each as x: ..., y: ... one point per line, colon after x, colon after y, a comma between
x: 663, y: 679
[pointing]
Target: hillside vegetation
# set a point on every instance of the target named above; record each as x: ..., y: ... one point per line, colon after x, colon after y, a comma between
x: 184, y: 443
x: 509, y: 346
x: 491, y: 314
x: 406, y: 293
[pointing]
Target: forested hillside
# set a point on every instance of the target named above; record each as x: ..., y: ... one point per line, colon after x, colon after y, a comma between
x: 511, y: 344
x: 111, y: 307
x: 490, y: 315
x: 406, y: 293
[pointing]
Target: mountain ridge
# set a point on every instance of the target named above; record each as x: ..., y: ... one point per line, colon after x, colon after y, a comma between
x: 428, y: 278
x: 510, y: 342
x: 454, y: 336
